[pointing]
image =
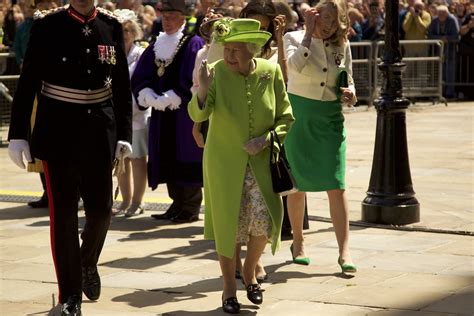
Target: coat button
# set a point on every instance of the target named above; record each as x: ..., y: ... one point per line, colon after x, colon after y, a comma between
x: 89, y: 111
x: 322, y: 84
x: 88, y: 50
x: 305, y: 54
x: 64, y: 58
x: 327, y: 44
x: 88, y: 71
x: 325, y: 69
x: 249, y: 102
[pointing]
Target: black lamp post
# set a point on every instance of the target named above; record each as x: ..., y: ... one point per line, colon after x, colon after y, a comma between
x: 390, y: 197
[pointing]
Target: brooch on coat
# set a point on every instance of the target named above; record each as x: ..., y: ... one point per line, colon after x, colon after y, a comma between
x: 107, y: 54
x: 337, y: 58
x: 265, y: 76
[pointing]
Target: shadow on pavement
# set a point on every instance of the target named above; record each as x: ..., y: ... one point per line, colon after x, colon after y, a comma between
x: 23, y: 212
x: 196, y: 250
x: 141, y: 223
x: 197, y: 290
x: 167, y: 233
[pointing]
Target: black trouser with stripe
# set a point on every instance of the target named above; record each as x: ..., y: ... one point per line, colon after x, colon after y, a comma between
x: 65, y: 178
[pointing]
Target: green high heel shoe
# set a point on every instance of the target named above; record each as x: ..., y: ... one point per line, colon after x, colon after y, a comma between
x: 303, y: 261
x: 347, y: 267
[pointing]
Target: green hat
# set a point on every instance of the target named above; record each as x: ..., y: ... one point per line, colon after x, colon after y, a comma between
x: 239, y: 30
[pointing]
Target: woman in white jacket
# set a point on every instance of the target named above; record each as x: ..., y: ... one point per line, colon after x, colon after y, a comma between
x: 318, y: 58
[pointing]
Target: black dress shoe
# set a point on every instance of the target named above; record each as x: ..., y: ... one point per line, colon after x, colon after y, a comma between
x: 41, y: 203
x: 72, y: 306
x: 91, y: 283
x: 168, y: 215
x: 254, y: 293
x: 231, y: 305
x: 163, y: 216
x: 185, y: 218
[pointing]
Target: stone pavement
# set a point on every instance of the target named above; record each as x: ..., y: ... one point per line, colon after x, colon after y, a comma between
x: 154, y: 268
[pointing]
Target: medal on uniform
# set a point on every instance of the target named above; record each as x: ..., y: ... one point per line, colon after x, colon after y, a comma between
x: 108, y: 82
x: 112, y: 59
x: 86, y: 30
x: 102, y: 53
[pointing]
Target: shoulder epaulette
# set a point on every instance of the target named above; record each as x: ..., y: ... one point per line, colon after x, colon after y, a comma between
x: 108, y: 14
x: 39, y: 14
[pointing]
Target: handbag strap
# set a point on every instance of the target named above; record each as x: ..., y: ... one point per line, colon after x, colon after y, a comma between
x: 274, y: 136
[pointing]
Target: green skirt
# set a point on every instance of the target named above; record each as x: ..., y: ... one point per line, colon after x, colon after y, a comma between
x: 316, y: 144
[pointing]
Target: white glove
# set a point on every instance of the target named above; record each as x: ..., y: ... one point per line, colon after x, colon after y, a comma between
x: 159, y: 103
x: 16, y: 149
x: 173, y: 99
x: 255, y: 145
x: 123, y: 149
x: 146, y: 97
x: 169, y: 100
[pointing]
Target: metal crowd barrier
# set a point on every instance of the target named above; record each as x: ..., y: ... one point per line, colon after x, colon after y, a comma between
x: 363, y: 70
x: 8, y: 83
x: 423, y: 76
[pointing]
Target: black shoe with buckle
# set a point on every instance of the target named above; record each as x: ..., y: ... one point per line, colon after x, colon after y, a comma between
x: 41, y: 203
x: 254, y: 293
x: 184, y: 217
x: 91, y: 282
x: 72, y: 306
x: 231, y: 305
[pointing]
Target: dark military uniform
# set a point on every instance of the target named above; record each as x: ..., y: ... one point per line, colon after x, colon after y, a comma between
x: 78, y: 68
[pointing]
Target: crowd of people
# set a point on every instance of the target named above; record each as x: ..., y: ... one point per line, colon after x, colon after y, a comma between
x: 189, y: 95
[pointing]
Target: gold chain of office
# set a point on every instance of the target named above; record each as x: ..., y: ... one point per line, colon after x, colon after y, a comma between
x: 162, y: 64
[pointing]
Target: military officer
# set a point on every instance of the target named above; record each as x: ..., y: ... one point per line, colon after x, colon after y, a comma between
x: 76, y: 65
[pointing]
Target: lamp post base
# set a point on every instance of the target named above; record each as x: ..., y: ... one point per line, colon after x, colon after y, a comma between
x: 393, y: 212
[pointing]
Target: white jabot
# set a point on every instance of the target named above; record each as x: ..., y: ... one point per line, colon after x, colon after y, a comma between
x: 165, y: 44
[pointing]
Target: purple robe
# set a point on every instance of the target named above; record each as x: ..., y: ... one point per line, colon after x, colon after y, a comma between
x: 174, y: 156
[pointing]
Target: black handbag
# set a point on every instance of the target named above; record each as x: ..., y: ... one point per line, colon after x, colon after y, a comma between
x: 282, y: 179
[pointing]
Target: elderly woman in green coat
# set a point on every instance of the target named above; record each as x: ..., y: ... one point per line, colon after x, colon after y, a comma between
x: 244, y: 98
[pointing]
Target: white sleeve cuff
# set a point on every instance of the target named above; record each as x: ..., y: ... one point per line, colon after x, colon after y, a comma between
x: 173, y: 99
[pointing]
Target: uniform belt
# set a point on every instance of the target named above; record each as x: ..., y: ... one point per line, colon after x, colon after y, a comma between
x: 76, y: 95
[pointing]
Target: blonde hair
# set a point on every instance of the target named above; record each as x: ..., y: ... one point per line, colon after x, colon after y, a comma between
x: 342, y: 19
x: 135, y: 28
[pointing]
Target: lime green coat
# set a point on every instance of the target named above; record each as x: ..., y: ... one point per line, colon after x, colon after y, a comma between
x: 240, y: 108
